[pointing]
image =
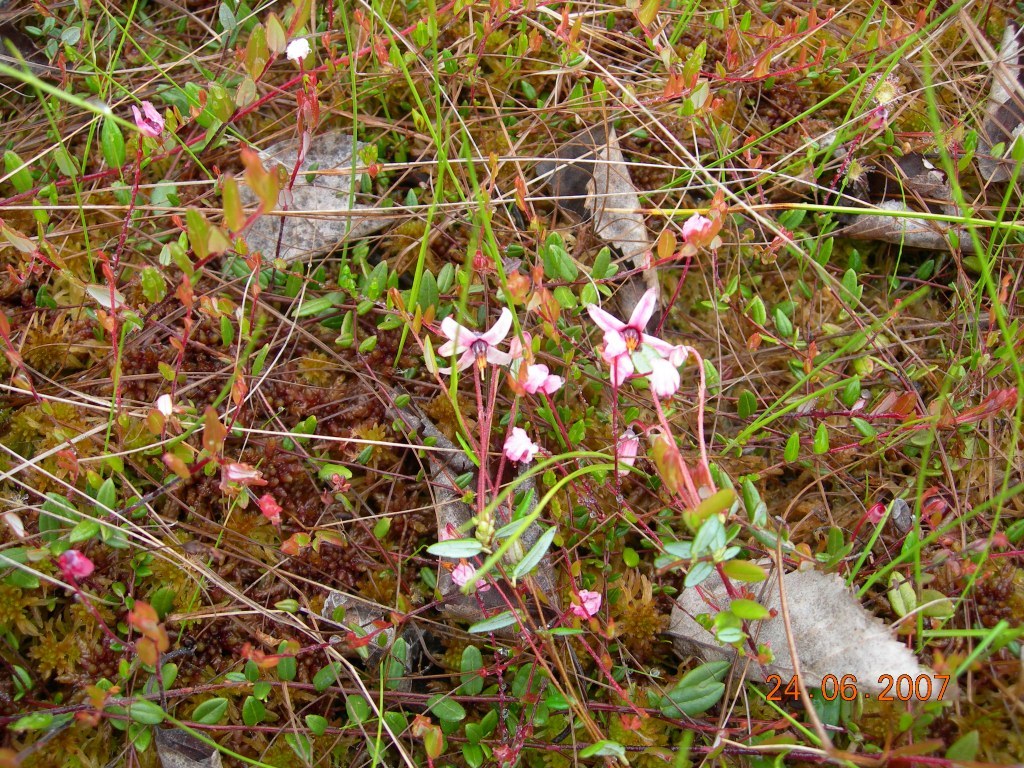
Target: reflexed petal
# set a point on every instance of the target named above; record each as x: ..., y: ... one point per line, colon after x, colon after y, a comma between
x: 660, y: 346
x: 605, y: 321
x: 467, y: 360
x: 497, y: 357
x: 460, y: 334
x: 552, y: 384
x: 622, y: 368
x: 643, y: 311
x: 500, y: 329
x: 664, y: 378
x: 614, y: 345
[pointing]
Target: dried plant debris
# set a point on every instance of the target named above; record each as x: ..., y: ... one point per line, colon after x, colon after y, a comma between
x: 180, y: 749
x: 589, y: 179
x: 321, y: 211
x: 904, y: 185
x: 1004, y: 115
x: 832, y: 632
x: 446, y: 463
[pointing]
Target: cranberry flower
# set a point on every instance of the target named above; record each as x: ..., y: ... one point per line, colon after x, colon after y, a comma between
x: 519, y: 447
x: 627, y: 347
x: 149, y: 121
x: 481, y: 348
x: 297, y: 49
x: 535, y: 377
x: 270, y: 508
x: 589, y: 604
x: 75, y: 566
x: 463, y: 572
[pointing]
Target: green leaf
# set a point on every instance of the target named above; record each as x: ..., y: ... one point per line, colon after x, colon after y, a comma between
x: 446, y: 708
x: 493, y: 624
x: 112, y: 144
x: 36, y: 721
x: 153, y: 286
x: 211, y: 712
x: 456, y: 548
x: 604, y: 748
x: 253, y: 711
x: 601, y: 264
x: 472, y: 663
x: 327, y: 676
x: 744, y: 570
x: 317, y: 724
x: 86, y: 529
x: 162, y: 600
x: 697, y: 691
x: 821, y: 443
x: 148, y: 712
x: 301, y: 746
x: 749, y: 610
x: 535, y: 555
x: 965, y: 748
x: 17, y: 170
x: 357, y: 708
x: 792, y: 450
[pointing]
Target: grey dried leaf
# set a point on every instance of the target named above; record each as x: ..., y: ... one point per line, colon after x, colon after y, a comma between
x: 590, y: 179
x: 832, y: 632
x: 180, y: 749
x: 322, y: 207
x: 447, y: 462
x: 1004, y: 114
x: 908, y: 232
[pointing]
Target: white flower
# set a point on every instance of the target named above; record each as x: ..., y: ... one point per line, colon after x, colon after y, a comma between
x: 476, y: 347
x: 663, y: 378
x: 165, y: 405
x: 519, y: 447
x: 297, y: 49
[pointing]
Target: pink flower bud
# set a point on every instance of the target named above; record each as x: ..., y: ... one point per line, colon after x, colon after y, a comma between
x: 519, y: 447
x: 589, y: 604
x: 270, y: 508
x: 75, y: 566
x: 149, y: 121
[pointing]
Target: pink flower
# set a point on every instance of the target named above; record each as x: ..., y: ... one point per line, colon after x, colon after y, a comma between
x: 518, y: 446
x: 270, y: 508
x: 621, y: 339
x: 75, y: 566
x: 589, y: 604
x: 149, y: 121
x: 480, y: 348
x: 626, y: 449
x: 663, y: 378
x: 698, y: 230
x: 539, y: 380
x: 240, y: 474
x: 463, y: 572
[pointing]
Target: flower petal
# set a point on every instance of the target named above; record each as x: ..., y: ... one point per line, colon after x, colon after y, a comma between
x: 664, y: 378
x: 644, y: 309
x: 622, y: 368
x: 500, y: 329
x: 497, y: 357
x: 460, y: 334
x: 605, y: 321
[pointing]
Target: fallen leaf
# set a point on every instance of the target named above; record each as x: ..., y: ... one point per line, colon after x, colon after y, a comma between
x: 180, y: 749
x: 832, y: 632
x: 590, y: 180
x: 321, y: 210
x: 1004, y: 114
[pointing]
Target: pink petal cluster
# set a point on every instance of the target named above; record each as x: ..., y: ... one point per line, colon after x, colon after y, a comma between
x: 622, y: 340
x: 149, y: 121
x: 241, y: 474
x: 519, y: 447
x: 626, y: 448
x: 698, y: 230
x: 75, y: 566
x: 589, y: 604
x: 270, y: 508
x: 463, y: 572
x: 479, y: 348
x: 539, y: 379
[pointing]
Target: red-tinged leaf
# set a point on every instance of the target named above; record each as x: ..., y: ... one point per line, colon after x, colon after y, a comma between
x: 259, y: 658
x: 5, y: 326
x: 262, y: 182
x: 997, y: 401
x: 177, y: 465
x: 214, y: 433
x: 239, y: 389
x: 146, y: 648
x: 198, y: 232
x: 144, y: 618
x: 217, y: 242
x: 18, y: 240
x: 295, y: 543
x: 184, y: 292
x: 277, y: 38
